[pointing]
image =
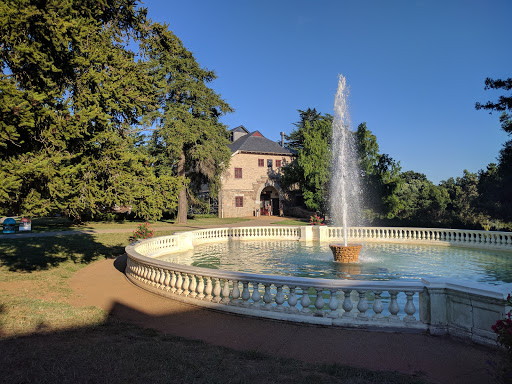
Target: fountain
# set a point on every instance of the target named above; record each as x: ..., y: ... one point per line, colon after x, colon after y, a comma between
x: 345, y: 186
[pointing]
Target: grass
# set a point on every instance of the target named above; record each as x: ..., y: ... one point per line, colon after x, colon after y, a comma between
x: 59, y: 224
x: 43, y: 338
x: 115, y: 352
x: 293, y: 222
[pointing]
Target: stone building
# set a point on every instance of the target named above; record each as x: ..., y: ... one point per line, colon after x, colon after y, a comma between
x: 251, y: 184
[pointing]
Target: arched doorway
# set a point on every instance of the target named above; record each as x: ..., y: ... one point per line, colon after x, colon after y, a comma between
x: 269, y: 201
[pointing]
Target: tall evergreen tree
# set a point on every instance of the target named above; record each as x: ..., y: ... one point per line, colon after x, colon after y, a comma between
x: 311, y: 139
x: 73, y: 99
x: 188, y: 139
x: 502, y: 179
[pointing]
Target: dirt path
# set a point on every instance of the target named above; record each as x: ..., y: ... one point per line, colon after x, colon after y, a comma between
x: 439, y: 359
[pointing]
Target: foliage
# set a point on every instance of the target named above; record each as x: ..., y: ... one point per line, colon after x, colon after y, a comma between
x: 422, y: 202
x: 380, y: 176
x: 496, y: 187
x: 316, y: 220
x: 295, y: 140
x: 79, y: 82
x: 504, y: 103
x: 188, y: 142
x: 503, y: 328
x: 311, y: 170
x: 142, y: 232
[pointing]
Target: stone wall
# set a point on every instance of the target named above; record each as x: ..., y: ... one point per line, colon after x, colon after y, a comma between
x: 254, y: 180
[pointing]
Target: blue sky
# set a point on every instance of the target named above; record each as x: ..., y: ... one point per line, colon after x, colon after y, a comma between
x: 415, y: 69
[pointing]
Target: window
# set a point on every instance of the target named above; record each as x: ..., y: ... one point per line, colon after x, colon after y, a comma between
x: 269, y: 163
x: 239, y: 201
x: 238, y: 173
x: 278, y: 163
x: 261, y: 162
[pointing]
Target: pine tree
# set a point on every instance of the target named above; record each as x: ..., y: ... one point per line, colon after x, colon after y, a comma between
x: 74, y: 97
x: 188, y: 139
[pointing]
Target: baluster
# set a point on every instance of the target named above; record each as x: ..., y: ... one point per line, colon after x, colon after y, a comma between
x: 167, y: 280
x: 347, y: 304
x: 216, y: 291
x: 209, y: 289
x: 246, y: 295
x: 279, y: 298
x: 378, y: 308
x: 267, y: 298
x: 173, y: 282
x: 235, y: 295
x: 179, y: 284
x: 409, y: 308
x: 393, y: 307
x: 292, y: 301
x: 225, y: 293
x: 256, y: 296
x: 362, y: 306
x: 333, y: 304
x: 319, y: 302
x: 152, y: 277
x: 193, y: 286
x: 185, y: 285
x: 305, y: 302
x: 200, y: 288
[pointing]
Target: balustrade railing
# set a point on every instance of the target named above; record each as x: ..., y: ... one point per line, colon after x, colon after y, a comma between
x: 343, y: 302
x: 453, y: 236
x: 419, y: 306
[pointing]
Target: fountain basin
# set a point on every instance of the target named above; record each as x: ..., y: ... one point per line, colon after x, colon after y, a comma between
x: 438, y: 306
x: 346, y: 253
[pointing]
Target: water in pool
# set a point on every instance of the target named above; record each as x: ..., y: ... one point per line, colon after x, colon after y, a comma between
x: 376, y: 261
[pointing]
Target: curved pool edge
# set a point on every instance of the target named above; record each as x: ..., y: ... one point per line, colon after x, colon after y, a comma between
x: 446, y: 306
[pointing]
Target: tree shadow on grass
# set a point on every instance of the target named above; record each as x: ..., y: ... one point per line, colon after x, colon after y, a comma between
x: 118, y: 352
x: 42, y: 253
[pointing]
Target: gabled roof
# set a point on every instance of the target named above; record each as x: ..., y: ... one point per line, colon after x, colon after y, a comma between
x: 240, y: 128
x: 257, y: 143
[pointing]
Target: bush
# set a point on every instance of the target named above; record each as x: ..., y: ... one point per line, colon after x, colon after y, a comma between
x: 142, y: 232
x: 316, y: 220
x: 503, y: 328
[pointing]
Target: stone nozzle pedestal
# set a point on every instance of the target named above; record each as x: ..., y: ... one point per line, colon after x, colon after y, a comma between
x: 346, y: 254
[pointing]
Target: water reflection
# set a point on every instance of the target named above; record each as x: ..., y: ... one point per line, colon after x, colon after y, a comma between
x: 376, y: 261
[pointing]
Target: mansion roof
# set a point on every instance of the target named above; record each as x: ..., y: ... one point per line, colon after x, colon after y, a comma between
x: 245, y: 141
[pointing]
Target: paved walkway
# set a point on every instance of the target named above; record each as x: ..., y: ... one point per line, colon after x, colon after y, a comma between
x: 437, y: 359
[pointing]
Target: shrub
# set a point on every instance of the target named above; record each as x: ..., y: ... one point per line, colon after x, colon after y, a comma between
x: 142, y: 232
x: 503, y: 328
x: 316, y: 220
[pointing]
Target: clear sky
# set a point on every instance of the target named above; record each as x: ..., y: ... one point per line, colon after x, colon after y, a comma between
x: 415, y: 69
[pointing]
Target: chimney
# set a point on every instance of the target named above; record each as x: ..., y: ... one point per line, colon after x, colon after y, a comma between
x: 282, y: 139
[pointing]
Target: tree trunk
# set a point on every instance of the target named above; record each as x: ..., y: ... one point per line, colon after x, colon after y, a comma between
x: 182, y: 200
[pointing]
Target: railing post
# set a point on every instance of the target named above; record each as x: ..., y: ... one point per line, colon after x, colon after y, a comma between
x: 434, y: 309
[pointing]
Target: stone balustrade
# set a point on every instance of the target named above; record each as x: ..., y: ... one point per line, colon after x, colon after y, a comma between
x: 482, y: 239
x: 438, y: 306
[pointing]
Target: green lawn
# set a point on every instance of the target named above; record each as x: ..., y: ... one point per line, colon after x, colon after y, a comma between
x: 292, y: 222
x: 44, y: 339
x: 56, y: 224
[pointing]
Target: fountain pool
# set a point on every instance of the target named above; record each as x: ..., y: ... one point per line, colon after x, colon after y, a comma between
x: 441, y: 281
x: 377, y: 262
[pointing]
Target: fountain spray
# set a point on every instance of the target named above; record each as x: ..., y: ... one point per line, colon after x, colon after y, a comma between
x: 345, y: 184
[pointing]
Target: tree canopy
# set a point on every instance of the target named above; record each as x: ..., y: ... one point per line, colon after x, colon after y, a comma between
x: 79, y: 83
